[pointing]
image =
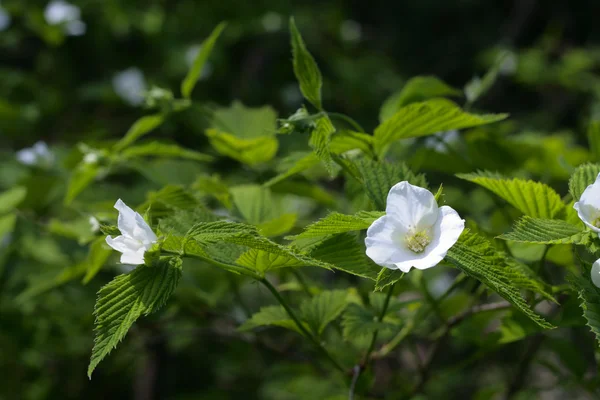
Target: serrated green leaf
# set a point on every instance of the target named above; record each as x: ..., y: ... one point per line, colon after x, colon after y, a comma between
x: 96, y: 258
x: 245, y: 122
x: 81, y: 178
x: 427, y: 118
x: 213, y: 185
x: 165, y: 150
x: 583, y: 176
x: 590, y: 303
x: 168, y: 199
x: 278, y: 226
x: 544, y: 231
x: 379, y: 177
x: 247, y: 151
x: 476, y: 257
x: 335, y: 223
x: 323, y: 308
x: 418, y: 88
x: 345, y: 140
x: 533, y: 199
x: 141, y: 127
x: 270, y: 316
x: 345, y: 253
x: 319, y: 140
x: 387, y: 277
x: 187, y: 86
x: 10, y: 199
x: 263, y: 261
x: 127, y: 297
x: 306, y: 69
x: 593, y: 134
x: 299, y: 162
x: 253, y: 202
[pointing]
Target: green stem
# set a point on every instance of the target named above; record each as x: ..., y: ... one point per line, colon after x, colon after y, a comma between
x: 347, y: 119
x: 300, y: 325
x: 228, y: 267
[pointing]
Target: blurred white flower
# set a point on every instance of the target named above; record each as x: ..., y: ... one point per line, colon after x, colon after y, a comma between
x: 350, y: 31
x: 596, y: 273
x: 415, y: 232
x: 58, y: 12
x: 4, y: 19
x: 136, y: 236
x: 272, y: 21
x: 90, y: 158
x: 130, y: 85
x: 94, y: 224
x: 588, y: 206
x: 38, y: 154
x: 438, y: 141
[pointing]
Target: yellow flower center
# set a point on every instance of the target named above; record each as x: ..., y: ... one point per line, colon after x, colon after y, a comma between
x: 417, y: 241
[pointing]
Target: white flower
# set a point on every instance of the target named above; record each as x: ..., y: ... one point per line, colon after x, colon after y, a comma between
x: 90, y: 158
x: 271, y: 21
x: 75, y: 28
x: 588, y: 206
x: 136, y: 236
x: 94, y: 224
x: 415, y: 232
x: 59, y: 12
x: 596, y: 273
x: 130, y: 85
x: 37, y: 154
x: 4, y: 19
x: 350, y: 31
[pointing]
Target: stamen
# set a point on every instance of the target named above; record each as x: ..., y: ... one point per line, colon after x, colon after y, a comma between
x: 418, y: 241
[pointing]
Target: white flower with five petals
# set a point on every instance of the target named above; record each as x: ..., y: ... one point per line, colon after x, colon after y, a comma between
x: 136, y: 236
x: 588, y: 206
x: 415, y: 232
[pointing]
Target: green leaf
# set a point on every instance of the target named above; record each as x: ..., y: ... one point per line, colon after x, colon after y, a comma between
x: 533, y: 199
x: 96, y: 258
x: 278, y: 226
x: 544, y: 231
x: 254, y: 203
x: 323, y: 308
x: 10, y: 199
x: 141, y: 127
x: 379, y: 177
x: 593, y: 134
x: 345, y: 140
x: 476, y: 257
x: 7, y: 224
x: 338, y: 223
x: 320, y: 138
x: 590, y: 303
x: 427, y: 118
x: 157, y: 149
x: 345, y: 253
x: 583, y: 176
x: 416, y: 89
x: 306, y: 69
x: 168, y: 199
x: 125, y: 299
x: 214, y: 186
x: 387, y: 277
x: 245, y: 122
x: 247, y: 151
x: 187, y: 86
x: 270, y: 316
x: 301, y: 162
x: 263, y: 261
x: 81, y: 178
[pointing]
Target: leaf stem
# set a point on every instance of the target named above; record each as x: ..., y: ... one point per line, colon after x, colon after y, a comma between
x: 301, y: 326
x: 347, y: 119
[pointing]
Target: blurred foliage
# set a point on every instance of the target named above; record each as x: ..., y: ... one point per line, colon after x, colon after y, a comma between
x: 103, y: 89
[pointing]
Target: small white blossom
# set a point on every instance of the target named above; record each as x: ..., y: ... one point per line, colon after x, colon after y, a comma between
x: 136, y: 236
x: 272, y: 21
x: 94, y: 224
x: 4, y: 19
x: 38, y: 154
x: 75, y: 28
x: 415, y: 232
x: 90, y: 158
x: 60, y: 12
x: 588, y: 206
x: 596, y: 273
x: 130, y: 85
x: 350, y: 31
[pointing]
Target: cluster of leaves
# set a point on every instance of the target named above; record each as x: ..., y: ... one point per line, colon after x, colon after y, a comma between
x: 289, y: 212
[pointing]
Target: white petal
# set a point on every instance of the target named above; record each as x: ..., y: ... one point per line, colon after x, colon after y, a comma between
x: 27, y: 156
x: 143, y: 232
x: 133, y: 258
x: 124, y: 244
x: 126, y: 221
x: 446, y: 231
x: 596, y: 273
x: 411, y: 206
x: 588, y: 206
x: 380, y: 243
